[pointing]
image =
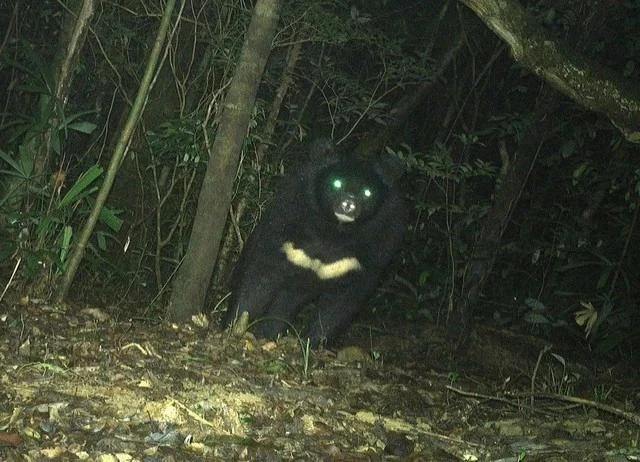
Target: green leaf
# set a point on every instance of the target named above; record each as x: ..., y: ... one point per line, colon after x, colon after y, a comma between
x: 80, y: 185
x: 577, y: 173
x: 27, y: 151
x: 533, y: 317
x: 109, y: 217
x: 604, y: 277
x: 9, y: 160
x: 83, y: 127
x: 568, y: 148
x: 69, y: 120
x: 534, y: 304
x: 12, y: 173
x: 55, y: 142
x: 102, y: 242
x: 66, y: 241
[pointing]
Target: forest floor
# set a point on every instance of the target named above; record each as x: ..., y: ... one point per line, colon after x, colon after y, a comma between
x: 77, y: 385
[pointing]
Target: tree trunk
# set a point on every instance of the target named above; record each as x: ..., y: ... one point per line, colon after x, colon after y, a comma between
x: 70, y: 44
x: 224, y: 257
x: 486, y: 248
x: 589, y: 84
x: 193, y: 277
x: 121, y: 148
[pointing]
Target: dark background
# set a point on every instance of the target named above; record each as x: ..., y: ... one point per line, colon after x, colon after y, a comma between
x: 569, y: 242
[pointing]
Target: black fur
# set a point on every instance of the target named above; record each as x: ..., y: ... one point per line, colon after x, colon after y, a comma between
x: 301, y: 227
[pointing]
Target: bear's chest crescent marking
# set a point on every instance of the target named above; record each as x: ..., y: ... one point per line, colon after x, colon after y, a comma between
x: 323, y: 270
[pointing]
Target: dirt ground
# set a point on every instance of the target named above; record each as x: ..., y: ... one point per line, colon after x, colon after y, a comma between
x: 77, y: 385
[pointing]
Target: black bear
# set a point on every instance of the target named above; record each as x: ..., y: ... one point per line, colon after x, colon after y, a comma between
x: 326, y: 239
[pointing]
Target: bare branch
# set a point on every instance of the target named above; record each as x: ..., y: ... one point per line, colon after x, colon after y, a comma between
x: 588, y: 83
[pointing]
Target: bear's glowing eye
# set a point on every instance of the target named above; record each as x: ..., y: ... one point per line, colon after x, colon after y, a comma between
x: 367, y: 192
x: 337, y: 183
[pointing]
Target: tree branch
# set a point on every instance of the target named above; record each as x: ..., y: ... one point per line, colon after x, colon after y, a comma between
x: 590, y: 84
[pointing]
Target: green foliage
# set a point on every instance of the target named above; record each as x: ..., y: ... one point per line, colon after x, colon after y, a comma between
x: 21, y: 168
x: 49, y: 117
x: 45, y: 235
x: 445, y: 227
x: 567, y: 258
x: 177, y: 141
x: 39, y: 221
x: 304, y: 343
x: 360, y: 63
x: 538, y: 316
x: 566, y: 263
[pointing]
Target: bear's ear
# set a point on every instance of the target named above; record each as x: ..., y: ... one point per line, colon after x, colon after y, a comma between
x: 320, y: 148
x: 389, y: 168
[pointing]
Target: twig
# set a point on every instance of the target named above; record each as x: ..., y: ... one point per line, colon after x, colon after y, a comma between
x: 623, y: 255
x: 15, y: 269
x: 630, y: 416
x: 500, y: 399
x: 535, y: 372
x: 193, y: 414
x: 634, y: 418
